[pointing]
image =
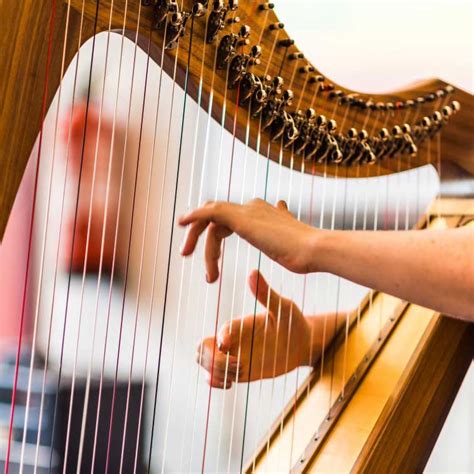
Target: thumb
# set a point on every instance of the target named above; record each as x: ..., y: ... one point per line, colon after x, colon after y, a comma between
x: 265, y: 295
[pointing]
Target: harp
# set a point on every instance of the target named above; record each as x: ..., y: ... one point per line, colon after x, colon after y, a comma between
x: 378, y: 395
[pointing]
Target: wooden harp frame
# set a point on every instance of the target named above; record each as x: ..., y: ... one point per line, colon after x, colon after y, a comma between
x: 423, y: 398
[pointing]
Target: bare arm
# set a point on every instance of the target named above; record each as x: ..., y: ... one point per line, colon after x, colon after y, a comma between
x: 433, y: 268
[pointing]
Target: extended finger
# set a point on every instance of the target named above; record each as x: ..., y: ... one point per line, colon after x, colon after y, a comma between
x: 192, y: 237
x: 215, y: 235
x: 266, y: 296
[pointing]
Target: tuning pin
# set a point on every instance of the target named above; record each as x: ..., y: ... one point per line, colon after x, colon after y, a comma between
x: 447, y: 111
x: 430, y: 97
x: 233, y: 5
x: 406, y: 128
x: 256, y: 51
x: 286, y: 43
x: 379, y: 106
x: 426, y: 122
x: 332, y: 126
x: 399, y: 105
x: 396, y: 131
x: 306, y: 69
x: 234, y: 20
x: 310, y: 114
x: 384, y: 133
x: 449, y: 89
x: 410, y: 103
x: 288, y: 96
x: 316, y: 79
x: 420, y: 100
x: 334, y: 94
x: 352, y: 133
x: 294, y: 56
x: 321, y: 120
x: 244, y: 31
x: 176, y: 19
x: 390, y: 106
x: 266, y: 6
x: 367, y: 104
x: 277, y: 84
x: 276, y: 26
x: 456, y: 106
x: 437, y: 117
x: 198, y: 10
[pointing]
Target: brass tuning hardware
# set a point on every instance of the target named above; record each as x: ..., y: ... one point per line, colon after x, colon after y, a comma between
x: 168, y: 16
x: 227, y: 48
x: 217, y: 17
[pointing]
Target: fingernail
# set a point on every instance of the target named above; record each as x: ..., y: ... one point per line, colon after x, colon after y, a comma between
x: 208, y: 279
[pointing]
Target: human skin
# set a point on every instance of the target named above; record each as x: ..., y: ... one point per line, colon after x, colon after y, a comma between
x: 432, y: 268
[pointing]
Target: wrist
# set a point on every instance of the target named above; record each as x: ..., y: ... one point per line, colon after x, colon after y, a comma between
x: 319, y: 242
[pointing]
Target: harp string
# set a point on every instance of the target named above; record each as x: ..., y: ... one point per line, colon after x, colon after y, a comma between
x: 155, y: 260
x: 30, y: 238
x: 332, y: 228
x: 302, y: 306
x: 114, y: 390
x: 130, y: 235
x: 219, y: 295
x: 347, y: 313
x: 74, y: 229
x: 292, y: 296
x: 42, y: 258
x: 43, y: 386
x: 137, y: 443
x: 264, y: 23
x: 244, y: 299
x: 305, y: 283
x: 104, y: 226
x: 235, y: 276
x: 200, y: 200
x: 178, y: 313
x: 267, y: 308
x: 122, y: 174
x: 189, y: 203
x: 68, y: 429
x: 234, y: 286
x: 168, y: 268
x: 271, y: 272
x: 248, y: 247
x: 145, y: 227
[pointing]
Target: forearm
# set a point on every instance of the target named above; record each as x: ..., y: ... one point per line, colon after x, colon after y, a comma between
x: 433, y: 268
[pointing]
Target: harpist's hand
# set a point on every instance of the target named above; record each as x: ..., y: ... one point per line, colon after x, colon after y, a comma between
x: 281, y: 342
x: 272, y: 229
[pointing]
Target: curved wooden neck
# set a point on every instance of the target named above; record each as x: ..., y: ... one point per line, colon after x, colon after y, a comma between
x: 26, y: 45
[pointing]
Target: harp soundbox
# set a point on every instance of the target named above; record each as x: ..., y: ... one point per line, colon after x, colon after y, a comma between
x: 375, y: 399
